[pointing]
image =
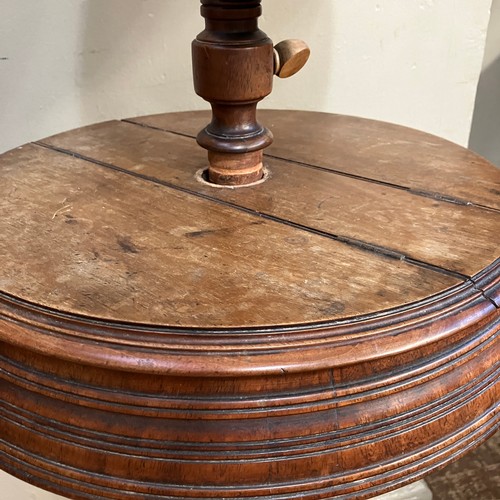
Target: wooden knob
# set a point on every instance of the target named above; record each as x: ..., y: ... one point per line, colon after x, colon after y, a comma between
x: 290, y: 56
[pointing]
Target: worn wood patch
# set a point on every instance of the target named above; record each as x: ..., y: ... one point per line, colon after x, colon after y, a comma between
x: 85, y: 239
x: 458, y: 238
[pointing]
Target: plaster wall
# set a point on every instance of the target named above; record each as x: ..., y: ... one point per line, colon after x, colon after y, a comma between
x: 66, y: 64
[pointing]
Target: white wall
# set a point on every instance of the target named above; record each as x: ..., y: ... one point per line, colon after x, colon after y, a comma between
x: 73, y: 62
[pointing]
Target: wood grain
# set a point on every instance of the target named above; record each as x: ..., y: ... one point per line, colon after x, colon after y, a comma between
x: 390, y: 220
x: 290, y: 57
x: 384, y: 152
x: 324, y: 334
x: 122, y: 248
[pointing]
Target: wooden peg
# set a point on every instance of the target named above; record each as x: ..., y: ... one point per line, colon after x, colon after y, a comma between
x: 290, y: 56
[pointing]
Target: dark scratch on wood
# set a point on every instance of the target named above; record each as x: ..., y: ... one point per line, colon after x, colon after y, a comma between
x: 126, y: 245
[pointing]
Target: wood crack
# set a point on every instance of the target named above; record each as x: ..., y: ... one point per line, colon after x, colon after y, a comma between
x: 484, y: 294
x: 417, y: 192
x: 360, y: 244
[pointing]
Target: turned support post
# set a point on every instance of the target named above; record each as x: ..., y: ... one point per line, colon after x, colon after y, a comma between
x: 233, y: 67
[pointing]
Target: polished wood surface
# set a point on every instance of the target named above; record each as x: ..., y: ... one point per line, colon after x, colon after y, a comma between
x: 330, y: 332
x: 290, y: 56
x: 390, y: 154
x: 233, y: 67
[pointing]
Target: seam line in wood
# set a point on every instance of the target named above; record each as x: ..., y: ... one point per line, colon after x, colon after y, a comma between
x: 360, y: 244
x: 417, y: 192
x: 484, y: 293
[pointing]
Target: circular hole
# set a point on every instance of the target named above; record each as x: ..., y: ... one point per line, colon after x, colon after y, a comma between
x: 202, y: 177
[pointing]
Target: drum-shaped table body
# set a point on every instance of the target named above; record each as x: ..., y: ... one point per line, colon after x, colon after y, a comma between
x: 329, y: 332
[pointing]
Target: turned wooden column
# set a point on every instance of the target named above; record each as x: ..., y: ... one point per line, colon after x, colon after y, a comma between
x: 233, y: 67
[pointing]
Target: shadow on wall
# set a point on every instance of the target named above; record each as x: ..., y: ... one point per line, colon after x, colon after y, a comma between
x: 135, y: 56
x: 485, y: 134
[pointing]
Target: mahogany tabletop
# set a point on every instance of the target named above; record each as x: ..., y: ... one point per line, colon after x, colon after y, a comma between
x: 110, y: 221
x: 369, y: 253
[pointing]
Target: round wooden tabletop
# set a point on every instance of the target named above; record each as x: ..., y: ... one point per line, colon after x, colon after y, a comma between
x: 340, y: 316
